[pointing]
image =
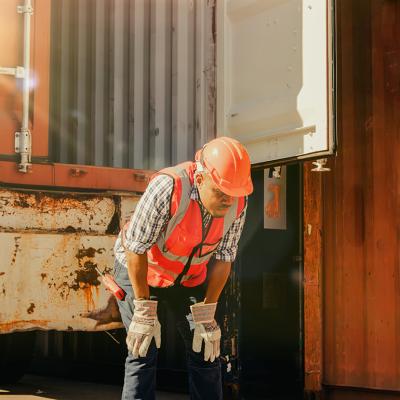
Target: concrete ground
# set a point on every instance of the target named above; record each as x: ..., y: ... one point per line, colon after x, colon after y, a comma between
x: 34, y: 387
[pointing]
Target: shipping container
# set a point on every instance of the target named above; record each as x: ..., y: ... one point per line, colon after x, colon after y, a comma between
x: 96, y: 95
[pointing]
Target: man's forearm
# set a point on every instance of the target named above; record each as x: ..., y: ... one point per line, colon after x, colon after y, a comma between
x: 218, y: 275
x: 137, y: 271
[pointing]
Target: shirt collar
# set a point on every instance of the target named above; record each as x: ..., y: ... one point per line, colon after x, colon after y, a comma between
x: 195, y: 195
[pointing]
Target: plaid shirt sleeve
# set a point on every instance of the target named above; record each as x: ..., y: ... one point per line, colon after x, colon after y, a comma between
x: 150, y: 216
x: 227, y: 249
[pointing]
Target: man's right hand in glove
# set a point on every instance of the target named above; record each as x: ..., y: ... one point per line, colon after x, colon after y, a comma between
x: 143, y: 328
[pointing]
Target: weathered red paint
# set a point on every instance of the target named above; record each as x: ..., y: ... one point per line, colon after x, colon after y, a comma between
x: 312, y: 280
x: 69, y: 176
x: 362, y: 207
x: 10, y: 95
x: 65, y: 175
x: 41, y: 76
x: 11, y: 43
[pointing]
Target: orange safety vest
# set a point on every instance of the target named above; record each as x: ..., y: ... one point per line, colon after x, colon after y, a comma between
x: 184, y: 248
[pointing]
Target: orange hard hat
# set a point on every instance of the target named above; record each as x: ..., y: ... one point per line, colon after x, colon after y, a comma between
x: 228, y: 163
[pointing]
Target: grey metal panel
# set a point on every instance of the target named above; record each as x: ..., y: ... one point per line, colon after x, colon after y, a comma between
x: 160, y: 82
x: 183, y: 79
x: 205, y: 72
x: 83, y: 59
x: 140, y: 63
x: 99, y: 82
x: 132, y: 81
x: 120, y: 112
x: 64, y: 130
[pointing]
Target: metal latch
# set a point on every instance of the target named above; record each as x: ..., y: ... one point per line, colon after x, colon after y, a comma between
x: 140, y: 177
x: 320, y: 165
x: 276, y: 172
x: 23, y: 146
x: 77, y: 172
x: 18, y: 72
x: 25, y: 9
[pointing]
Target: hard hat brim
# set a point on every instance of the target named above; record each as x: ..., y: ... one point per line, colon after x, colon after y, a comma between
x: 245, y: 190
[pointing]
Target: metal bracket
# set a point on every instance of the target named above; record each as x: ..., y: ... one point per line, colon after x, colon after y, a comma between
x: 23, y: 146
x: 25, y: 9
x: 320, y: 165
x: 276, y: 173
x: 18, y: 72
x: 77, y: 172
x: 140, y: 177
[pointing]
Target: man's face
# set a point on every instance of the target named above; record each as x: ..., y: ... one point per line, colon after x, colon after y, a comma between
x: 216, y: 202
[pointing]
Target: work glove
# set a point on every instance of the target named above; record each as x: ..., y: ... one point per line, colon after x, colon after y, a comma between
x: 207, y: 329
x: 143, y: 328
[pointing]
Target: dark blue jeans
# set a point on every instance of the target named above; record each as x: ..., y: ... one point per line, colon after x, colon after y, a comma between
x: 140, y: 374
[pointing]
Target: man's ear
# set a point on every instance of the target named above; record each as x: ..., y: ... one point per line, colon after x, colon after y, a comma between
x: 199, y: 179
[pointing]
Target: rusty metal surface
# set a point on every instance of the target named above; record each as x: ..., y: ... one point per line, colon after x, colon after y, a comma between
x: 55, y: 211
x: 50, y: 244
x: 49, y: 281
x: 361, y: 213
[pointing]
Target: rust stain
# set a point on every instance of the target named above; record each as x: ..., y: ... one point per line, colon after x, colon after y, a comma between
x: 23, y: 201
x: 43, y: 275
x: 89, y: 252
x: 17, y: 246
x: 63, y: 290
x: 31, y: 308
x: 86, y: 277
x: 54, y: 202
x: 2, y: 273
x: 13, y: 325
x: 87, y: 292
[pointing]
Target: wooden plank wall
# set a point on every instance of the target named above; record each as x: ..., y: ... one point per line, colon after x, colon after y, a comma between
x: 312, y: 279
x: 361, y: 205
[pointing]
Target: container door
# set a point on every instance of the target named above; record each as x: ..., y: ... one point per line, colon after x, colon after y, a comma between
x: 274, y: 77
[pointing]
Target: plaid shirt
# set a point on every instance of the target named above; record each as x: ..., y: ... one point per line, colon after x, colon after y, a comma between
x: 152, y: 215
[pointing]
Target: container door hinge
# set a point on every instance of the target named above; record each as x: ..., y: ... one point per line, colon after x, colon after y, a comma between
x: 320, y: 165
x: 23, y: 146
x: 18, y: 72
x: 25, y: 9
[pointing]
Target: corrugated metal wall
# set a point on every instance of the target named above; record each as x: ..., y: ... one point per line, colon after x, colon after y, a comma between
x: 362, y: 203
x: 132, y: 81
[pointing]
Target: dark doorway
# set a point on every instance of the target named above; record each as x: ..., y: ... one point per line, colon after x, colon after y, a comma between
x: 269, y: 270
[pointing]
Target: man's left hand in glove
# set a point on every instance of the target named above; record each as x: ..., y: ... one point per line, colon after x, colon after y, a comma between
x: 207, y: 330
